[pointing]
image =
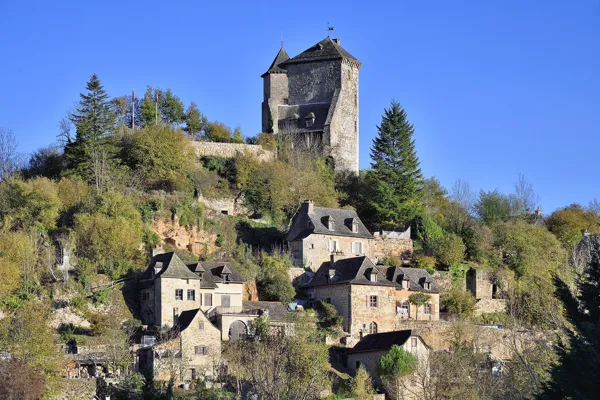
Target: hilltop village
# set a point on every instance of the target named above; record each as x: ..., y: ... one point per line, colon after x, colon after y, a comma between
x: 156, y: 254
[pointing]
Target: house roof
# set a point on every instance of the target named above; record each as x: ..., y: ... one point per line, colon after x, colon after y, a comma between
x: 381, y: 341
x: 417, y: 278
x: 293, y: 117
x: 217, y: 268
x: 312, y: 221
x: 274, y: 68
x: 186, y: 318
x: 355, y: 270
x: 277, y: 311
x: 326, y: 49
x: 207, y: 280
x: 170, y: 265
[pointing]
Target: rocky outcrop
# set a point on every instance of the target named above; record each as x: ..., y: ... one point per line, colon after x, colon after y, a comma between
x: 199, y: 242
x: 586, y: 251
x: 66, y: 316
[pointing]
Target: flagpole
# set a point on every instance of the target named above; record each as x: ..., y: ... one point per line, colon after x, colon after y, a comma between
x: 156, y: 103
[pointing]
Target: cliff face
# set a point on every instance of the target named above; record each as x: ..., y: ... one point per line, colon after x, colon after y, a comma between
x: 199, y: 242
x: 587, y: 250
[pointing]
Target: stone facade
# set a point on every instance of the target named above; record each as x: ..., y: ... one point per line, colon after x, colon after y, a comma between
x: 396, y: 244
x: 230, y: 150
x: 484, y: 306
x: 480, y: 283
x: 225, y: 206
x: 76, y: 389
x: 421, y: 313
x: 322, y: 83
x: 314, y: 250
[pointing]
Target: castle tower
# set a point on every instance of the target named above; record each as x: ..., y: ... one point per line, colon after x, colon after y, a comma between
x: 275, y: 89
x: 319, y: 104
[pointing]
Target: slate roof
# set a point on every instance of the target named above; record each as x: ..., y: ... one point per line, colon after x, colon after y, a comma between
x: 326, y: 49
x: 207, y: 281
x: 277, y: 311
x: 186, y: 318
x: 355, y: 270
x: 417, y: 277
x: 216, y: 268
x: 381, y: 341
x: 281, y: 56
x: 342, y: 224
x: 287, y: 113
x: 171, y: 267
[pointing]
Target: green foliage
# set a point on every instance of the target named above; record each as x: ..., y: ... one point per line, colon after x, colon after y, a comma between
x: 171, y: 107
x: 493, y: 318
x: 264, y: 139
x: 395, y: 181
x: 101, y: 296
x: 459, y: 302
x: 458, y: 273
x: 195, y: 121
x: 361, y: 385
x: 493, y: 207
x: 218, y: 132
x: 273, y: 280
x: 329, y: 318
x: 34, y: 203
x: 396, y: 363
x: 427, y: 230
x: 162, y: 155
x: 237, y: 136
x: 393, y: 261
x: 426, y: 263
x: 449, y: 249
x: 569, y: 223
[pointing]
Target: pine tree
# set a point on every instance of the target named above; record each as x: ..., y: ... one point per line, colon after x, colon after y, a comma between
x: 93, y: 149
x: 148, y: 108
x: 195, y: 121
x: 395, y: 179
x: 171, y: 108
x: 577, y: 374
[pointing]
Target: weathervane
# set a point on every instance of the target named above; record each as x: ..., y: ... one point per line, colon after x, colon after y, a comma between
x: 281, y: 37
x: 329, y: 29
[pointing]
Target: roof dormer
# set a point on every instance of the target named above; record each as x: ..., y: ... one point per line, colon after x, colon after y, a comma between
x: 352, y: 224
x: 310, y: 119
x: 329, y: 222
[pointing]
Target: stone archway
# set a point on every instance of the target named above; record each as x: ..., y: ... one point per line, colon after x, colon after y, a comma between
x: 237, y: 330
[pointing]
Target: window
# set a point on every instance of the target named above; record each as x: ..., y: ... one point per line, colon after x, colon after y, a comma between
x: 404, y: 284
x: 328, y: 300
x: 175, y: 315
x: 355, y: 126
x: 201, y: 325
x: 355, y: 227
x: 333, y: 246
x: 201, y: 350
x: 226, y: 300
x: 427, y: 309
x: 427, y: 285
x: 331, y: 224
x: 208, y: 299
x: 191, y: 294
x: 200, y: 298
x: 413, y: 342
x: 403, y: 310
x: 357, y: 248
x: 187, y: 281
x: 295, y: 245
x: 145, y: 296
x: 372, y: 328
x: 373, y: 301
x: 310, y: 122
x: 193, y: 373
x: 373, y: 277
x: 178, y: 294
x: 312, y: 245
x: 285, y: 100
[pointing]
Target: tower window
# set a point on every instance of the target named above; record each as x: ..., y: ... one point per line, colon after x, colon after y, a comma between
x: 286, y: 101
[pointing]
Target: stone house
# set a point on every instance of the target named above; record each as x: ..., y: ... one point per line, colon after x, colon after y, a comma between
x: 409, y: 281
x: 360, y: 292
x: 191, y: 350
x: 484, y: 286
x: 314, y: 96
x: 371, y: 348
x: 169, y: 287
x: 236, y: 325
x: 317, y: 233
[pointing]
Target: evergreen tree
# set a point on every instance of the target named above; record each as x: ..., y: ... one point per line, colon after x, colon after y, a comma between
x: 395, y: 179
x: 171, y: 108
x: 94, y: 146
x: 148, y: 108
x: 195, y: 121
x: 577, y: 374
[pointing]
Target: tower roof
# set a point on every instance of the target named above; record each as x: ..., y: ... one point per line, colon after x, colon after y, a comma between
x: 326, y: 49
x: 281, y: 56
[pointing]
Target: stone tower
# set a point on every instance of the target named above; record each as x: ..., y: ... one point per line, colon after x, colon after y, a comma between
x: 314, y: 98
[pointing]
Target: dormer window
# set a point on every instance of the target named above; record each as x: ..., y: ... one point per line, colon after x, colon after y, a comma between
x: 157, y: 267
x: 310, y: 120
x: 373, y: 277
x: 354, y: 226
x: 330, y: 224
x: 427, y: 286
x: 405, y: 284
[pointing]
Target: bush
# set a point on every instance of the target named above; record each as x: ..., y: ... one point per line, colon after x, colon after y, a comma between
x: 101, y: 296
x: 449, y: 249
x: 329, y: 318
x: 426, y: 263
x: 393, y: 261
x: 273, y: 280
x: 459, y: 302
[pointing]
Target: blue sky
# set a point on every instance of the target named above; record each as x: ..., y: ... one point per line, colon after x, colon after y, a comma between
x: 494, y: 88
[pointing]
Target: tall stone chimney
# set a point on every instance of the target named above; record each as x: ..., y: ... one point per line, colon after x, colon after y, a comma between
x: 308, y: 207
x: 157, y: 250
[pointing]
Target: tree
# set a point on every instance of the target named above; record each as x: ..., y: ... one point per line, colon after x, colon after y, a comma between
x: 361, y: 385
x: 492, y: 207
x: 449, y: 249
x: 237, y: 135
x: 195, y: 122
x: 48, y: 162
x: 92, y: 153
x: 418, y: 299
x: 393, y: 367
x: 273, y: 280
x: 9, y: 160
x: 171, y: 108
x: 395, y: 179
x: 568, y: 224
x: 19, y: 381
x: 218, y: 132
x: 459, y: 302
x: 148, y: 108
x: 577, y: 374
x: 524, y: 201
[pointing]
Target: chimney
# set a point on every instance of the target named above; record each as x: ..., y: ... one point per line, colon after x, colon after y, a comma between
x: 157, y: 250
x: 336, y: 41
x: 308, y: 207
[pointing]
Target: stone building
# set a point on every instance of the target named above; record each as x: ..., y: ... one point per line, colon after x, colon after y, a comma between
x: 314, y: 97
x: 371, y: 348
x: 359, y: 291
x: 484, y: 286
x: 169, y: 287
x: 317, y: 233
x: 191, y: 350
x: 409, y: 281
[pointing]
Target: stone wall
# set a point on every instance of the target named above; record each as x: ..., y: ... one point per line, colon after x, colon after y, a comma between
x: 314, y: 250
x: 384, y: 246
x: 71, y: 389
x: 402, y: 297
x: 384, y: 315
x: 344, y: 122
x: 230, y: 150
x: 225, y: 206
x: 490, y: 306
x: 313, y: 82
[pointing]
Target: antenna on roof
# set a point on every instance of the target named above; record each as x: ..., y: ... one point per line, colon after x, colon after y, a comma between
x: 329, y: 29
x: 281, y: 37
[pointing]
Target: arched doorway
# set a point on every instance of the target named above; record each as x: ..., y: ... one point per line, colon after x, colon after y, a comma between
x: 237, y: 330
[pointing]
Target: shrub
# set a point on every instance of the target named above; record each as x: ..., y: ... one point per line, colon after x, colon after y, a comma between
x: 426, y: 263
x: 449, y: 249
x: 393, y: 261
x: 459, y: 302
